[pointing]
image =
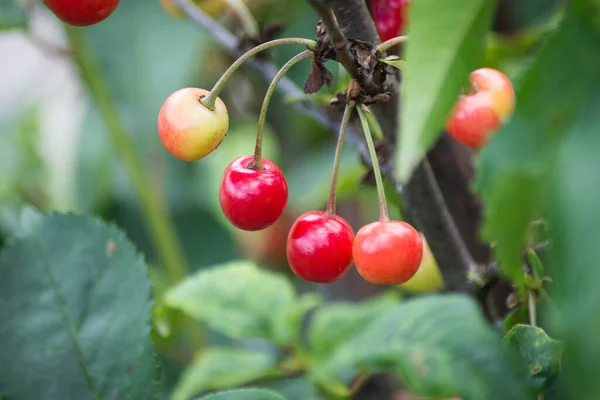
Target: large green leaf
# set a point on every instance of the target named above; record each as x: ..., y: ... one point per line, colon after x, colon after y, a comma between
x: 237, y: 299
x: 333, y: 324
x: 245, y: 394
x: 543, y: 354
x: 75, y: 311
x: 513, y: 168
x: 220, y: 368
x: 440, y: 346
x: 447, y: 42
x: 573, y: 260
x: 12, y: 14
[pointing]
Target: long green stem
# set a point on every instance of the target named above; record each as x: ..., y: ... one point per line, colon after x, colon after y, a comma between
x: 161, y: 228
x: 209, y: 100
x: 373, y: 123
x: 388, y: 44
x: 265, y: 106
x: 330, y: 210
x: 243, y: 13
x: 383, y: 209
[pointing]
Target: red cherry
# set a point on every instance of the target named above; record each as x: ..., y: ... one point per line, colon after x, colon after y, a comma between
x: 82, y: 12
x: 253, y: 199
x: 390, y: 17
x: 319, y: 247
x: 387, y: 252
x: 478, y: 115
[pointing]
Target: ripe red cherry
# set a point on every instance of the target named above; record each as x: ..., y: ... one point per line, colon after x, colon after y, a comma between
x: 387, y: 252
x: 82, y: 12
x: 478, y: 115
x: 253, y: 199
x: 319, y: 247
x: 389, y: 17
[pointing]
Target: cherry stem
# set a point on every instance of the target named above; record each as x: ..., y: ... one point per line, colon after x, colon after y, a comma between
x: 384, y: 215
x: 210, y: 99
x: 330, y: 210
x: 532, y: 313
x: 388, y: 44
x: 243, y: 13
x: 373, y: 122
x: 257, y: 163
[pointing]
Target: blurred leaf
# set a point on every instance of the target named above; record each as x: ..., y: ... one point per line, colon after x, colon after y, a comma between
x: 444, y: 46
x: 399, y: 64
x: 333, y: 324
x: 574, y: 254
x: 543, y: 354
x: 75, y: 313
x: 516, y: 316
x: 13, y: 14
x: 219, y: 368
x: 439, y: 346
x: 237, y: 299
x: 513, y: 169
x: 289, y: 329
x: 294, y: 388
x: 536, y: 264
x: 245, y: 394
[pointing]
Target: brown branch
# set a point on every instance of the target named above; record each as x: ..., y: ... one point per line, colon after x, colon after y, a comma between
x: 337, y: 38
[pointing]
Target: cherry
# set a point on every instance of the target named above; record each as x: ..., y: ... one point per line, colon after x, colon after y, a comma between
x: 319, y: 247
x: 428, y: 277
x: 387, y: 252
x: 188, y: 129
x: 389, y: 17
x: 253, y: 199
x: 478, y: 115
x: 82, y: 12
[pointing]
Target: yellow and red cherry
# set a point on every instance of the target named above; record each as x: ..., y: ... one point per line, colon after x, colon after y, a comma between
x: 82, y: 12
x: 387, y: 252
x: 319, y: 247
x: 253, y: 198
x: 479, y: 114
x: 188, y: 129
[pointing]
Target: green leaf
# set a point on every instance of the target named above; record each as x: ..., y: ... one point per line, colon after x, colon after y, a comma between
x: 237, y: 299
x: 13, y: 14
x: 335, y: 323
x: 396, y: 63
x: 439, y: 346
x: 514, y: 168
x: 536, y: 264
x: 444, y: 47
x: 75, y: 310
x: 219, y: 368
x: 245, y: 394
x: 516, y: 316
x: 574, y: 252
x: 543, y: 354
x: 289, y: 328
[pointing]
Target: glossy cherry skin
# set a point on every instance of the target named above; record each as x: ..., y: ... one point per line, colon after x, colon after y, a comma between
x: 319, y: 247
x: 82, y: 12
x: 189, y: 130
x: 390, y: 17
x: 253, y: 199
x: 478, y: 115
x: 387, y: 252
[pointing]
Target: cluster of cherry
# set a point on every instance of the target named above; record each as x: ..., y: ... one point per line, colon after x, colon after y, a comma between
x: 321, y: 245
